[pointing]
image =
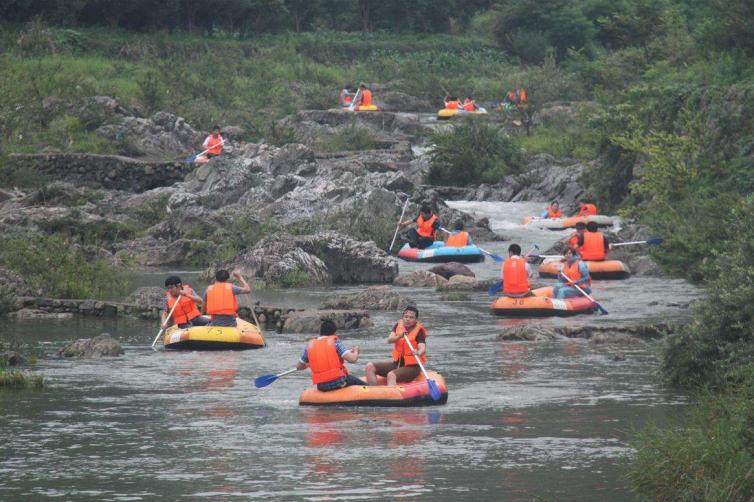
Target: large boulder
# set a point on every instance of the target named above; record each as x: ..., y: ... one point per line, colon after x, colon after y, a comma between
x: 420, y: 279
x: 448, y: 270
x: 160, y: 135
x: 372, y: 298
x: 309, y: 321
x: 331, y: 258
x: 102, y: 345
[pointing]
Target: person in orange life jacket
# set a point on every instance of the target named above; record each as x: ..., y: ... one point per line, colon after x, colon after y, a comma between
x: 459, y: 238
x: 552, y: 211
x: 366, y: 95
x: 186, y: 314
x: 452, y: 103
x: 346, y: 96
x: 325, y: 355
x: 573, y: 240
x: 220, y: 301
x: 214, y: 143
x: 586, y: 209
x: 516, y: 273
x: 403, y: 367
x: 593, y: 245
x: 469, y: 104
x: 426, y: 224
x: 577, y: 271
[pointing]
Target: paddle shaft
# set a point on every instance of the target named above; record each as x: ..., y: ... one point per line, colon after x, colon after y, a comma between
x: 222, y: 142
x: 286, y: 372
x: 353, y: 101
x: 649, y: 241
x: 413, y: 351
x: 495, y: 257
x: 159, y: 334
x: 398, y: 226
x: 583, y: 292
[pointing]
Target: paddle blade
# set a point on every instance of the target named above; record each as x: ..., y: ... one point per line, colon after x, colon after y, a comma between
x: 190, y: 159
x: 655, y: 241
x: 495, y: 288
x: 496, y: 257
x: 434, y: 390
x: 264, y: 380
x: 601, y: 308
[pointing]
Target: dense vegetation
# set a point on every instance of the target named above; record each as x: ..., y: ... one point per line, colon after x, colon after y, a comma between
x: 658, y: 94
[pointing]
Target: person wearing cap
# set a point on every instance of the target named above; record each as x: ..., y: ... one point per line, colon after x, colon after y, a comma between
x: 577, y: 272
x: 427, y: 224
x: 326, y: 357
x: 186, y: 313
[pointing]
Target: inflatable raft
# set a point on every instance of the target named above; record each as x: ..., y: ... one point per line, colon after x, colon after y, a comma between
x: 367, y: 108
x: 563, y: 223
x: 415, y: 393
x: 438, y: 252
x: 608, y: 269
x: 542, y: 304
x: 446, y: 114
x: 245, y: 336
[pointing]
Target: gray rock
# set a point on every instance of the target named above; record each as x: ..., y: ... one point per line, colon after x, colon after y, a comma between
x: 102, y: 345
x: 420, y: 279
x: 308, y: 321
x: 448, y: 270
x: 11, y: 358
x: 147, y: 297
x: 460, y: 283
x: 372, y: 298
x: 528, y: 332
x: 27, y: 314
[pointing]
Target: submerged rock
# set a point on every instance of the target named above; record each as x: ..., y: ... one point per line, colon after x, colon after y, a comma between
x: 420, y: 279
x: 450, y: 269
x: 26, y: 314
x: 102, y: 345
x: 308, y: 321
x: 373, y: 298
x: 597, y: 335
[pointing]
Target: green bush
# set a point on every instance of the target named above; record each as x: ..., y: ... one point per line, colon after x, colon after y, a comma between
x: 473, y: 151
x: 50, y: 263
x: 12, y: 378
x: 348, y: 138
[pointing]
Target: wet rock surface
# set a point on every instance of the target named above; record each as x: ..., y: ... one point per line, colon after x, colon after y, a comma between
x: 598, y: 335
x: 450, y: 269
x: 372, y: 298
x: 420, y: 279
x: 103, y: 345
x: 309, y: 321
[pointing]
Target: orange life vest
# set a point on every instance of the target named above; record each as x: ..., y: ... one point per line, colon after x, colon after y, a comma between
x: 324, y: 361
x: 425, y: 227
x: 215, y: 145
x: 221, y: 300
x: 452, y: 105
x: 573, y: 241
x: 522, y: 96
x: 366, y: 97
x: 186, y: 309
x: 401, y: 350
x: 458, y: 240
x: 515, y: 277
x: 572, y: 272
x: 551, y: 213
x: 594, y: 247
x: 588, y: 210
x: 511, y: 96
x: 347, y: 99
x: 469, y: 106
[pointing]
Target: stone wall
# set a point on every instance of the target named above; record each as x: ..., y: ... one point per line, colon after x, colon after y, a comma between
x: 103, y: 171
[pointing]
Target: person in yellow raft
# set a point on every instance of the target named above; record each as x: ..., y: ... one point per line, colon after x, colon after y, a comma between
x: 220, y: 301
x: 366, y: 96
x: 325, y: 356
x: 403, y: 366
x: 186, y: 313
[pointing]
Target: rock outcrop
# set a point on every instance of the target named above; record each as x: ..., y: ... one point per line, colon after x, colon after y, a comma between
x: 372, y: 298
x: 448, y: 270
x: 308, y: 321
x: 102, y: 345
x: 420, y: 279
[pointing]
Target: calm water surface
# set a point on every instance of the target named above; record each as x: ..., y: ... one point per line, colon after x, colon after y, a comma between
x: 524, y: 421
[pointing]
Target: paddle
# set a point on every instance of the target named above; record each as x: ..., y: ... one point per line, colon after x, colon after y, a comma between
x: 397, y: 227
x: 602, y: 309
x: 653, y: 241
x: 192, y: 158
x: 495, y: 288
x: 434, y: 390
x: 256, y: 321
x: 353, y: 101
x: 265, y: 380
x: 495, y: 257
x: 159, y: 334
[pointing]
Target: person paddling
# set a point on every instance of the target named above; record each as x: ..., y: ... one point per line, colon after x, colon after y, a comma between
x: 403, y: 367
x: 214, y: 143
x: 577, y: 272
x: 186, y: 314
x: 220, y: 300
x: 593, y: 245
x: 325, y: 356
x: 452, y: 103
x: 427, y: 223
x: 553, y: 211
x: 366, y: 95
x: 459, y: 238
x: 516, y: 273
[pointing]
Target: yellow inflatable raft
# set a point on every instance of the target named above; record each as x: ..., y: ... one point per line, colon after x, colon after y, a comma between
x: 367, y: 108
x: 244, y: 336
x: 446, y: 114
x: 414, y: 393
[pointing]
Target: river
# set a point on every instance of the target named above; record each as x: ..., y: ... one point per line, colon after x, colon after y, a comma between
x: 524, y: 421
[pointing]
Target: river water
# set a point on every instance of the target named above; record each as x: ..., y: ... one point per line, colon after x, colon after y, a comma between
x: 524, y: 421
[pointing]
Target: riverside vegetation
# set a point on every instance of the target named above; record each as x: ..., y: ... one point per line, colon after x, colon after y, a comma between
x: 657, y: 95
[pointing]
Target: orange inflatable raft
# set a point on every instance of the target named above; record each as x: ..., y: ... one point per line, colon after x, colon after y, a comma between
x: 542, y: 304
x: 608, y: 269
x: 244, y: 336
x: 563, y: 223
x: 414, y: 393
